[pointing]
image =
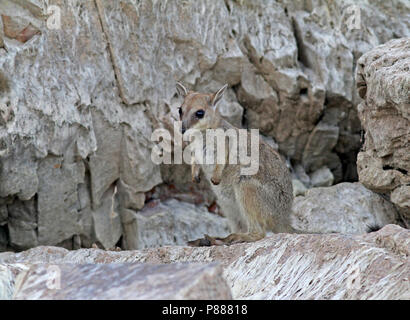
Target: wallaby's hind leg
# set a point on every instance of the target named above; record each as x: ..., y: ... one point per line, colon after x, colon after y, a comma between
x: 241, y: 237
x: 250, y: 205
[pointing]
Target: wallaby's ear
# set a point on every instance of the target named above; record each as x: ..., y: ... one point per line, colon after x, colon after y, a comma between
x: 182, y: 91
x: 217, y: 96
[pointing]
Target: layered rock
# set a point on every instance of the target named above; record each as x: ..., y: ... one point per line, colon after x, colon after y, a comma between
x: 119, y: 282
x: 79, y: 100
x: 283, y: 266
x: 383, y: 81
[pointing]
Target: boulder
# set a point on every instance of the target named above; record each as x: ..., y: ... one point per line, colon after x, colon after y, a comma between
x: 383, y: 82
x: 126, y: 281
x: 346, y: 207
x: 281, y: 266
x: 322, y: 177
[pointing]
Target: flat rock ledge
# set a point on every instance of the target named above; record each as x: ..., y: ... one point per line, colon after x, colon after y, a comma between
x: 282, y: 266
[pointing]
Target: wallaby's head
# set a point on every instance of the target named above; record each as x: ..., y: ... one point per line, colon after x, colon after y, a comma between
x: 198, y: 111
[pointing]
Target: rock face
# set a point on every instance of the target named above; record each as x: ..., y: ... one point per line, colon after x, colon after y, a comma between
x: 284, y: 266
x: 82, y: 91
x: 383, y: 81
x: 344, y: 208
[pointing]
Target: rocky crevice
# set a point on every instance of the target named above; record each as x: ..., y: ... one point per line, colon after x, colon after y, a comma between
x: 100, y: 10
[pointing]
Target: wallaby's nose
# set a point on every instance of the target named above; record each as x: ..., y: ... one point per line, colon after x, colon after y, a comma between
x: 183, y: 129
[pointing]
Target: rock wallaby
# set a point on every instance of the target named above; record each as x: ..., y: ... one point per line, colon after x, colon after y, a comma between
x: 253, y: 204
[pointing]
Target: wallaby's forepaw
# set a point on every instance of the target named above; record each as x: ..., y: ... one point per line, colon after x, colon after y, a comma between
x: 207, y: 241
x: 233, y: 238
x: 199, y: 243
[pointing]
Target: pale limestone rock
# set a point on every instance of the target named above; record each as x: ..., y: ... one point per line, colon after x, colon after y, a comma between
x: 57, y: 202
x: 383, y: 81
x: 232, y: 112
x: 282, y: 266
x: 107, y: 221
x: 401, y: 197
x: 345, y: 208
x: 299, y: 188
x: 70, y: 135
x: 126, y: 281
x: 301, y: 175
x: 175, y: 223
x: 6, y: 283
x: 322, y: 177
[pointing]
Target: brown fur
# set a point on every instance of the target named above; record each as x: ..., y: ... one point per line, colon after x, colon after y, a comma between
x: 253, y: 204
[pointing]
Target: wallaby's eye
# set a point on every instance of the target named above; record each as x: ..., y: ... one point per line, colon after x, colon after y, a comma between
x: 180, y: 111
x: 200, y: 114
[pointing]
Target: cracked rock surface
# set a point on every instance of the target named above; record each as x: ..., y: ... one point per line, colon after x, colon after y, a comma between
x: 78, y: 104
x: 383, y: 81
x: 348, y: 208
x: 282, y: 266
